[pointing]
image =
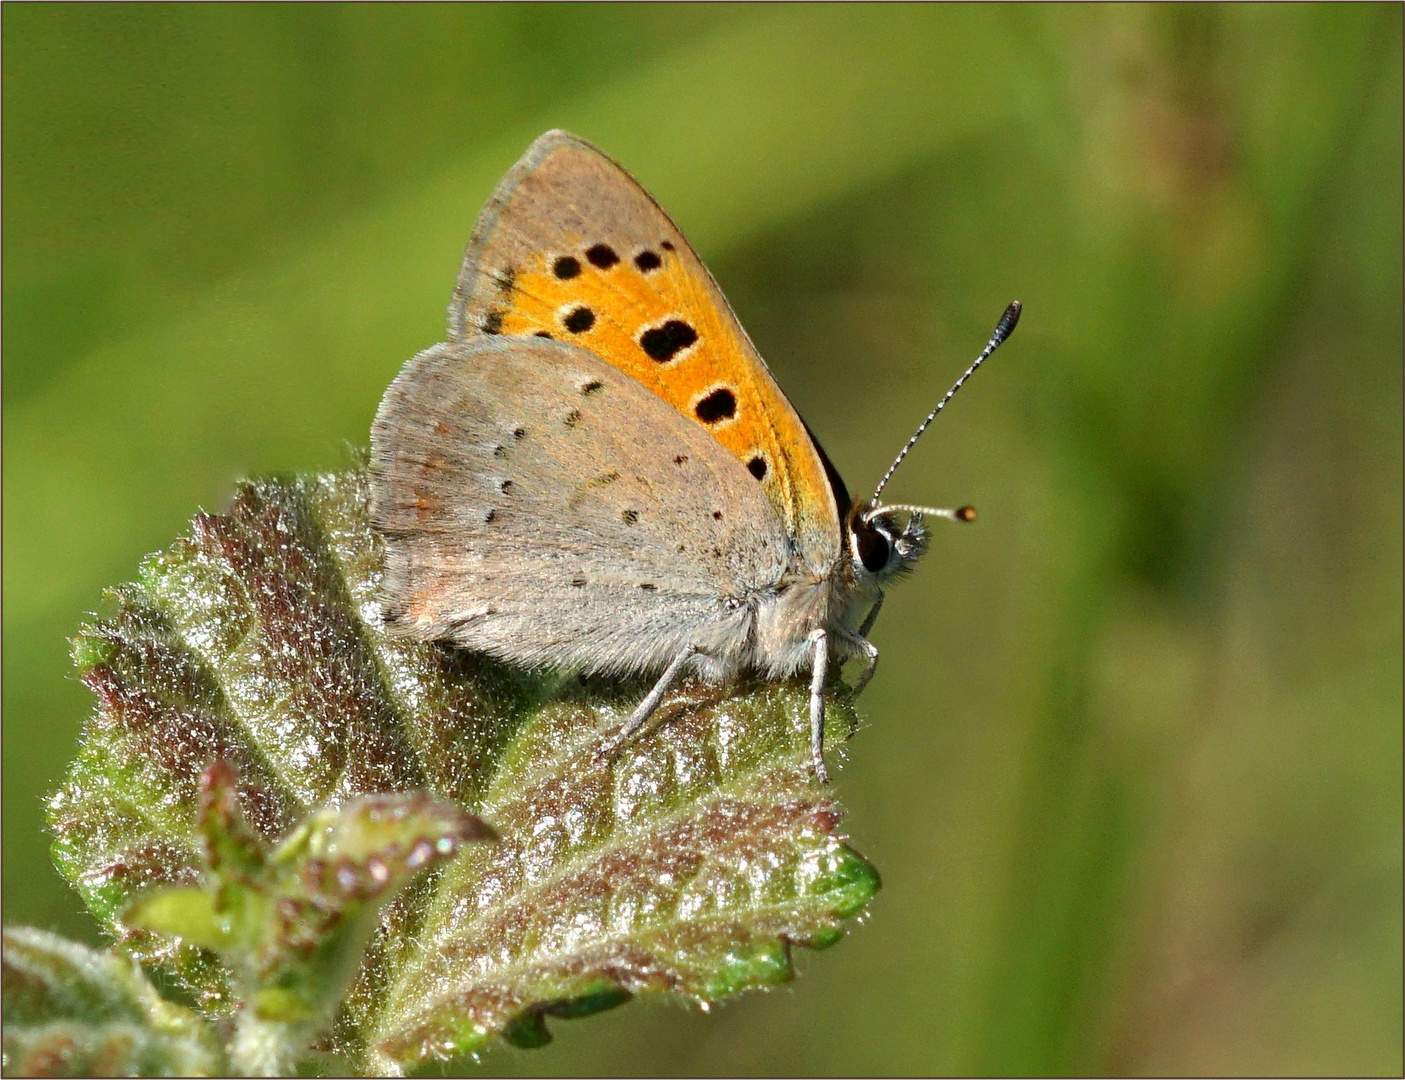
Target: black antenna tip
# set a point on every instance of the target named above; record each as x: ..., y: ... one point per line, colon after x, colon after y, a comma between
x: 968, y: 513
x: 1006, y: 326
x: 1003, y: 329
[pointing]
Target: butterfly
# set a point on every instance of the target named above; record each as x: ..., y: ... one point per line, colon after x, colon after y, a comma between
x: 597, y: 472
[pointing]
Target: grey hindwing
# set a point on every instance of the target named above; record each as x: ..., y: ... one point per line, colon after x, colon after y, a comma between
x: 540, y: 506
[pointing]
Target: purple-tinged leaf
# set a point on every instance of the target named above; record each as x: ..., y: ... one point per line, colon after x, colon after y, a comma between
x: 71, y: 1011
x: 690, y: 865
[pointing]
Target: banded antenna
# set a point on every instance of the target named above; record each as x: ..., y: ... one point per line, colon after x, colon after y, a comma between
x: 1003, y: 329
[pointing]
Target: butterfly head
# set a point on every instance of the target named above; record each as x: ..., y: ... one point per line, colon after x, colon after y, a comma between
x: 886, y: 539
x: 884, y: 545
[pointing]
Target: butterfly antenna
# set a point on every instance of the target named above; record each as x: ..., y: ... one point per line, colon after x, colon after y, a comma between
x: 1003, y: 329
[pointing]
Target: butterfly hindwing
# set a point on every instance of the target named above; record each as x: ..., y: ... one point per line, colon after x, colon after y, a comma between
x: 572, y: 248
x: 515, y: 477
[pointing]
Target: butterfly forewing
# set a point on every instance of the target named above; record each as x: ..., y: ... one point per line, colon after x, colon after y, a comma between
x: 541, y: 506
x: 572, y: 248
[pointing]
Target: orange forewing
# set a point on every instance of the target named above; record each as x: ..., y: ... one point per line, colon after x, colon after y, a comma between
x: 708, y: 376
x: 570, y: 246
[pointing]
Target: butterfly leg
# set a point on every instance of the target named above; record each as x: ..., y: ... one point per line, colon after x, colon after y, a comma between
x: 872, y: 617
x: 870, y: 651
x: 819, y: 639
x: 647, y: 707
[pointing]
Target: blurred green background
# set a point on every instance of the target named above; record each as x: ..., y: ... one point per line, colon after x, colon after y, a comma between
x: 1131, y: 767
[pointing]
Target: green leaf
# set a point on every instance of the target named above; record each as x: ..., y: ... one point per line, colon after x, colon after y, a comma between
x: 71, y: 1011
x: 292, y: 925
x: 326, y: 885
x: 688, y: 866
x: 184, y: 911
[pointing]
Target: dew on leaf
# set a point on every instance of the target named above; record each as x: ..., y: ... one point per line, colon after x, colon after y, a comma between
x: 321, y: 690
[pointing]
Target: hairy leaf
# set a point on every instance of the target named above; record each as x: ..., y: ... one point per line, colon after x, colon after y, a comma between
x: 689, y: 864
x: 70, y: 1011
x: 292, y: 923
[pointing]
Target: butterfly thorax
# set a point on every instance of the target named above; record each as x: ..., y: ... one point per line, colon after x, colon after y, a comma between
x: 836, y: 601
x: 840, y: 599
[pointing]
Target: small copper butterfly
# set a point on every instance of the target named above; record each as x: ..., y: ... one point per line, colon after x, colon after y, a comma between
x: 598, y: 473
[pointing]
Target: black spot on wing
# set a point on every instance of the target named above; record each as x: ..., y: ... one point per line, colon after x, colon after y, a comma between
x: 602, y: 256
x: 492, y: 322
x: 592, y: 387
x: 543, y: 333
x: 566, y: 267
x: 665, y: 342
x: 648, y: 261
x: 758, y: 467
x: 719, y: 405
x: 667, y: 245
x: 629, y: 517
x: 579, y: 320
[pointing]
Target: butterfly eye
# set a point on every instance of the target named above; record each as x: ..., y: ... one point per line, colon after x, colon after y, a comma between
x: 872, y: 548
